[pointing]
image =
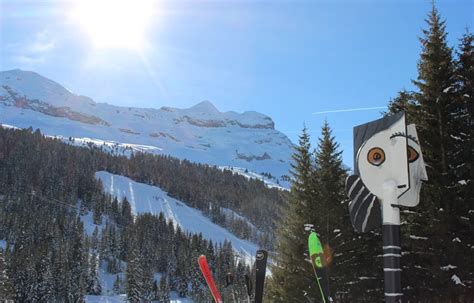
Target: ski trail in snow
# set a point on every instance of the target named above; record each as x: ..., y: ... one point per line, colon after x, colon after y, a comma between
x: 132, y: 198
x: 169, y: 212
x: 150, y: 208
x: 112, y: 184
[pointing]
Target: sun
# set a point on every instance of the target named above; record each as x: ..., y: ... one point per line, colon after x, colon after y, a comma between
x: 115, y: 23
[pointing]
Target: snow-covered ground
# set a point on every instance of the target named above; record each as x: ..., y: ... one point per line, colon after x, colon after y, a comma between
x: 174, y: 298
x: 270, y: 183
x: 145, y: 198
x: 110, y: 146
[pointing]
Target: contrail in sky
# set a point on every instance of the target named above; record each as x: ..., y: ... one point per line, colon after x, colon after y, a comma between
x: 349, y: 110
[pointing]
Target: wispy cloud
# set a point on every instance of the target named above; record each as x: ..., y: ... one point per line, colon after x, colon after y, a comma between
x: 349, y: 110
x: 33, y: 51
x: 27, y: 60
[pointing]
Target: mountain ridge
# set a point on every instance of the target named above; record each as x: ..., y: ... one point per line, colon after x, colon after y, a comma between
x: 200, y: 133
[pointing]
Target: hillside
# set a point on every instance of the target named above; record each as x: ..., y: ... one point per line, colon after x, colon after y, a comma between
x: 68, y: 229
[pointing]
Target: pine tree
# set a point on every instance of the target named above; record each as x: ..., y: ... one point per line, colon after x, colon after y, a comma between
x: 462, y: 216
x: 164, y: 290
x: 5, y: 284
x: 429, y: 231
x: 330, y: 218
x: 93, y: 283
x: 292, y: 275
x: 133, y: 277
x: 464, y: 118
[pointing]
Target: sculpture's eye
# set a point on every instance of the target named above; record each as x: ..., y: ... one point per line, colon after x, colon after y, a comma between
x: 412, y: 154
x: 376, y: 156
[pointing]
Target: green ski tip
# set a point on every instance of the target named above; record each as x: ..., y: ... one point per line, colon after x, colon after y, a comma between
x: 315, y: 249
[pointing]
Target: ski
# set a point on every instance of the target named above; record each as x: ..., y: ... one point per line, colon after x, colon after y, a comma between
x: 209, y: 280
x: 318, y: 262
x: 261, y: 267
x: 248, y: 283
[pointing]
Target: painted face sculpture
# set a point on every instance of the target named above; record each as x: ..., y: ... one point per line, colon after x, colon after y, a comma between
x: 386, y: 150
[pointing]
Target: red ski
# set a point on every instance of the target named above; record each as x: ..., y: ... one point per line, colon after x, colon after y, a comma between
x: 209, y: 280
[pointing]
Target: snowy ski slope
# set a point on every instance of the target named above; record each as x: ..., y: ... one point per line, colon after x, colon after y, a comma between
x: 145, y: 198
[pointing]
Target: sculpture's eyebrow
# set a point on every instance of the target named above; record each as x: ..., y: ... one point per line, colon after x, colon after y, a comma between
x: 402, y: 134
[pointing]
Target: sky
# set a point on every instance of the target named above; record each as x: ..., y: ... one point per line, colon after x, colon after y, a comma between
x: 295, y: 61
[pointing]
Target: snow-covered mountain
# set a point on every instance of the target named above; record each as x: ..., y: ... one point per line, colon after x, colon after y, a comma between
x: 200, y: 133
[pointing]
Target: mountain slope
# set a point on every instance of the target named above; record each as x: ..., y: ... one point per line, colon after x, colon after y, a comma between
x: 200, y: 133
x: 144, y: 198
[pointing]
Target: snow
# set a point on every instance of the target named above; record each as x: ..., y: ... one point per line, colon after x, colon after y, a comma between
x: 270, y: 183
x: 462, y: 182
x: 367, y: 278
x: 174, y: 298
x: 448, y: 267
x: 89, y: 225
x: 9, y: 126
x: 457, y: 280
x: 418, y: 238
x: 447, y: 89
x: 145, y: 198
x: 230, y: 213
x: 455, y: 137
x: 106, y: 299
x: 110, y: 146
x: 457, y: 240
x: 200, y: 134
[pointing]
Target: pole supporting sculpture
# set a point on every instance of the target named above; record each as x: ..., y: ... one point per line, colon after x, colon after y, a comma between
x: 388, y: 173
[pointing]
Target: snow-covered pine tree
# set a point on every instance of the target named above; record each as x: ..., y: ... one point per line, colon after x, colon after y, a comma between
x: 465, y: 117
x: 462, y: 218
x: 6, y: 291
x: 133, y: 276
x: 164, y: 290
x: 77, y: 268
x: 93, y: 283
x: 429, y: 230
x: 292, y: 274
x: 349, y: 256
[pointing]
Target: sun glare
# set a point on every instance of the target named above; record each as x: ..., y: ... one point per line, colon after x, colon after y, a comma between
x: 115, y: 23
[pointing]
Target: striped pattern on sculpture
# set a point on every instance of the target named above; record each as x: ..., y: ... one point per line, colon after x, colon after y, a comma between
x: 364, y: 208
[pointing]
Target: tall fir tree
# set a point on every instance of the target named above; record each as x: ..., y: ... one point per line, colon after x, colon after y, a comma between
x: 430, y: 232
x: 462, y: 217
x: 6, y: 291
x: 464, y: 140
x: 133, y: 276
x: 327, y: 209
x: 292, y: 274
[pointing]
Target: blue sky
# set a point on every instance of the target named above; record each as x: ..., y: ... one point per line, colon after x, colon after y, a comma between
x: 286, y: 59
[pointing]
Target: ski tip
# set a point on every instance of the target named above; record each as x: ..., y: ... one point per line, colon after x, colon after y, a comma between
x: 202, y: 259
x: 261, y: 254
